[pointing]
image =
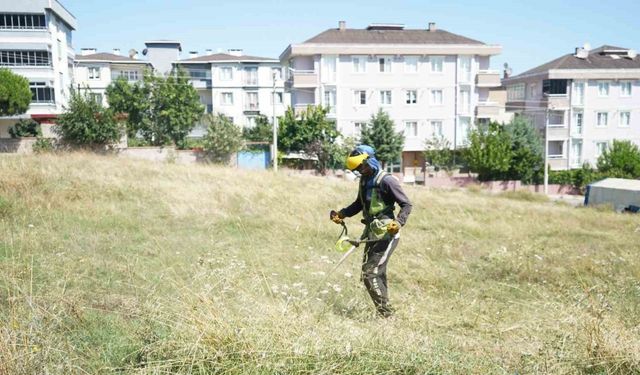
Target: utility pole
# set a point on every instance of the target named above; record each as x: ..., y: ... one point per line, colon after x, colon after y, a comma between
x: 275, y: 126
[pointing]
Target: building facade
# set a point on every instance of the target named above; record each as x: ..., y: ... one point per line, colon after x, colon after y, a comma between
x: 95, y: 71
x: 581, y: 102
x: 431, y: 82
x: 238, y: 86
x: 36, y: 42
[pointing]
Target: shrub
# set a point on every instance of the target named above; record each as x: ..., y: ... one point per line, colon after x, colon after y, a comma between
x: 25, y: 128
x: 621, y: 160
x: 438, y: 153
x: 43, y: 145
x: 223, y: 138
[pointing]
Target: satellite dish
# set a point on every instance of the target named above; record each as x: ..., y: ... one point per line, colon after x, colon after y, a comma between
x: 632, y: 54
x: 132, y: 53
x: 144, y: 52
x: 586, y: 46
x: 506, y: 65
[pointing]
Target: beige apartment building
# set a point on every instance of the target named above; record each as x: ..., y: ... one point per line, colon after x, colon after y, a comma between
x: 582, y: 101
x: 430, y: 81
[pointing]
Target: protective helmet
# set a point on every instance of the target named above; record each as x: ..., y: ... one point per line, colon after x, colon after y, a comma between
x: 355, y: 159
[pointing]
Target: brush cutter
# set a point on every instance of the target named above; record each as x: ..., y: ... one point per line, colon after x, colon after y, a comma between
x: 347, y: 245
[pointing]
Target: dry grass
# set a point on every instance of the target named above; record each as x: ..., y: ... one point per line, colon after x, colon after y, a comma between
x: 112, y: 265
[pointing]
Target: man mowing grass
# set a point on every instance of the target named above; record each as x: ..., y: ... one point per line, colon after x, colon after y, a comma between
x: 377, y: 194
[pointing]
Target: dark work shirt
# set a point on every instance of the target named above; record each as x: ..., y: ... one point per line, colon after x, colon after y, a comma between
x: 391, y: 193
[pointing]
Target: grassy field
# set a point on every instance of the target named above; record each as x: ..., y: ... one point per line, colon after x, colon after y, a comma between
x: 110, y: 265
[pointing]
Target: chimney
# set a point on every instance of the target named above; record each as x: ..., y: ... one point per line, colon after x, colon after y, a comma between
x: 208, y: 52
x: 235, y: 51
x: 581, y: 53
x: 193, y: 54
x: 87, y: 51
x: 133, y: 54
x: 506, y: 72
x: 342, y: 25
x: 432, y: 26
x: 116, y: 51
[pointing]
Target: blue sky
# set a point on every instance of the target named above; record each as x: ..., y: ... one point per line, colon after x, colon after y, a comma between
x: 530, y: 33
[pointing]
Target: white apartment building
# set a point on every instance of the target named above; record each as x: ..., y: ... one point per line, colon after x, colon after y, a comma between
x: 35, y: 42
x: 238, y: 86
x: 430, y: 81
x: 95, y: 71
x: 582, y: 101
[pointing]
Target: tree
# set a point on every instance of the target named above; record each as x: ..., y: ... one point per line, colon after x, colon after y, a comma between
x: 527, y: 152
x: 310, y: 132
x: 15, y: 94
x: 622, y: 160
x: 261, y: 132
x: 489, y: 152
x: 162, y: 110
x: 438, y: 153
x: 381, y: 135
x: 223, y: 138
x: 86, y: 122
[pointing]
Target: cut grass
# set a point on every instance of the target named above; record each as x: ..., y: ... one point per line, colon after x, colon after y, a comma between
x: 112, y: 265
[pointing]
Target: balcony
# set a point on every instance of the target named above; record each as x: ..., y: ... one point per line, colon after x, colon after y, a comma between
x: 487, y: 110
x: 559, y: 101
x: 302, y: 79
x: 488, y: 78
x: 251, y: 107
x: 301, y: 107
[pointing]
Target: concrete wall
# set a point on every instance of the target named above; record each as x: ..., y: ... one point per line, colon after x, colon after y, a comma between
x: 17, y: 146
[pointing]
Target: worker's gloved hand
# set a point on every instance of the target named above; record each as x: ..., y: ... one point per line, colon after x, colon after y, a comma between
x: 336, y: 217
x: 393, y: 228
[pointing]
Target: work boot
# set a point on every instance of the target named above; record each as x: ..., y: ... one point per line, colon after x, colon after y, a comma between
x: 385, y: 311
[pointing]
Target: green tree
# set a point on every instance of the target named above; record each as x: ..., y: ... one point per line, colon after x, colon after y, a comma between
x: 25, y: 128
x: 261, y: 132
x: 15, y: 94
x: 438, y: 153
x: 489, y: 152
x: 223, y: 138
x: 622, y: 160
x: 381, y: 135
x: 86, y: 122
x: 162, y: 110
x: 527, y: 151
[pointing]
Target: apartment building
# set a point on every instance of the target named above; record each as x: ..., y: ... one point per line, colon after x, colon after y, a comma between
x: 430, y: 81
x: 95, y: 71
x: 582, y: 101
x: 36, y: 42
x: 236, y: 85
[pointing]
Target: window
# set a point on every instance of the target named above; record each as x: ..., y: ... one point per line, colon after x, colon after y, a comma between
x: 412, y: 97
x: 251, y: 76
x: 25, y: 58
x: 251, y: 103
x: 437, y: 63
x: 465, y: 101
x: 129, y: 75
x: 576, y: 152
x: 436, y: 97
x: 276, y: 73
x: 330, y: 100
x: 59, y: 50
x: 199, y: 74
x: 357, y: 129
x: 556, y: 118
x: 603, y: 88
x: 436, y: 128
x: 226, y: 73
x: 359, y: 64
x: 515, y: 92
x: 578, y: 118
x: 602, y: 119
x: 533, y: 90
x: 556, y: 149
x: 227, y: 98
x: 601, y: 147
x: 94, y: 72
x: 578, y: 89
x: 464, y: 127
x: 554, y: 87
x: 22, y: 21
x: 411, y: 64
x: 625, y: 118
x: 96, y: 97
x: 279, y: 97
x: 251, y: 121
x: 411, y: 128
x: 385, y: 97
x: 41, y: 93
x: 385, y: 64
x: 625, y: 88
x: 360, y: 97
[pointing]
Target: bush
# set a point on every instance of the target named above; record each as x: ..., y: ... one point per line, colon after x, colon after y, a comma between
x: 43, y: 145
x: 87, y: 123
x: 578, y: 178
x: 223, y: 138
x: 25, y: 128
x: 622, y: 160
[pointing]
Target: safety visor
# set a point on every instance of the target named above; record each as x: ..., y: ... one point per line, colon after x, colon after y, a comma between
x: 355, y: 159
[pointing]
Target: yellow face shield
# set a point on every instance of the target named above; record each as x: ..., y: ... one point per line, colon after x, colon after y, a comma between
x: 354, y: 162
